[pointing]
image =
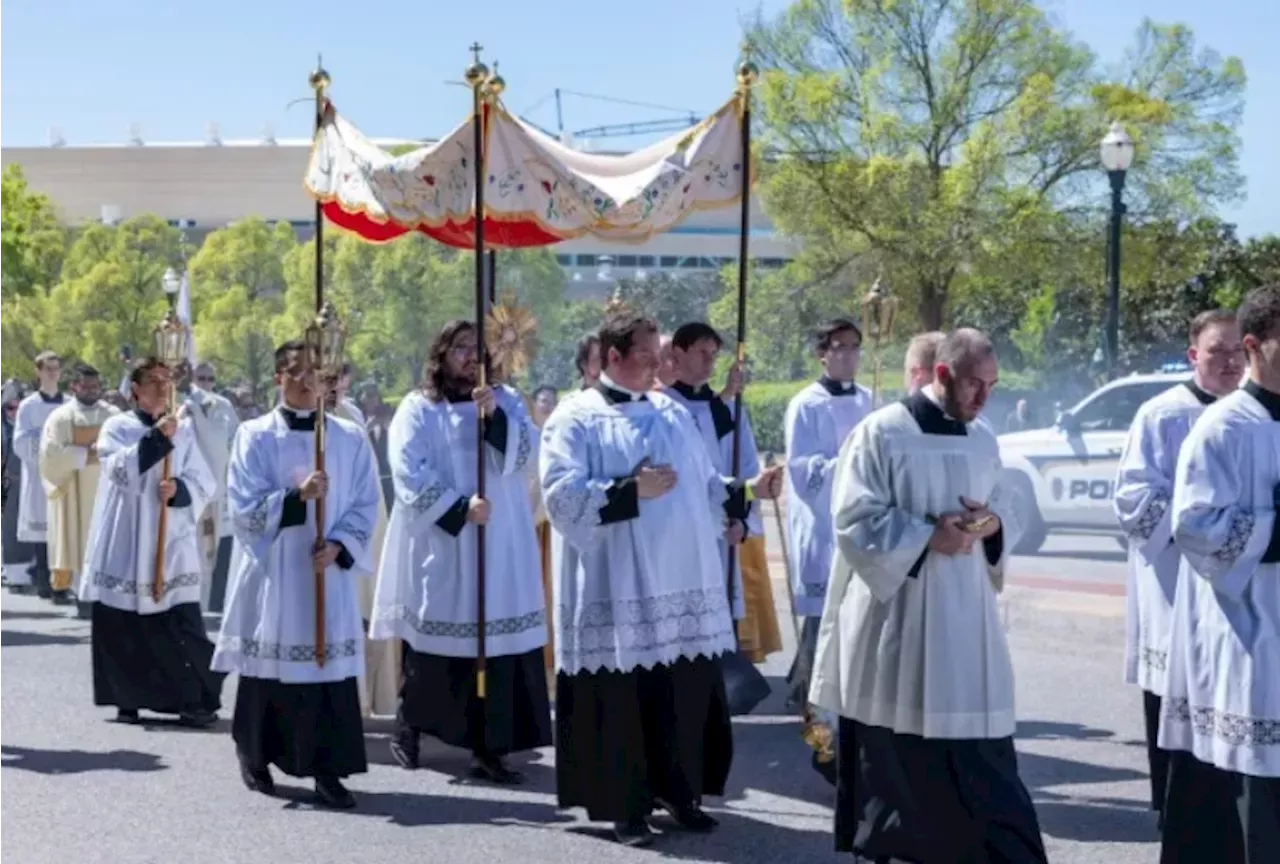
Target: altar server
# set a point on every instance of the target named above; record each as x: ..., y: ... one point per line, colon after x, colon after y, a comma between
x: 149, y: 653
x: 292, y: 711
x: 921, y: 356
x: 911, y: 653
x: 33, y: 504
x: 544, y: 401
x: 427, y: 589
x: 215, y: 421
x: 1144, y: 491
x: 693, y: 349
x: 1221, y: 714
x: 818, y: 420
x: 641, y: 712
x: 70, y: 468
x: 19, y: 557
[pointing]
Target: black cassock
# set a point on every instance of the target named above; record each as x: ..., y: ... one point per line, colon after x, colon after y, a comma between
x: 904, y: 797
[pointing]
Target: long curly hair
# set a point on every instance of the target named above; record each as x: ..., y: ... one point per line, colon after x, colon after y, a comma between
x: 437, y: 376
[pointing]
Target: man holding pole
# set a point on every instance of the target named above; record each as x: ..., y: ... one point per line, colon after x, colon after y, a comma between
x: 149, y: 645
x: 298, y: 702
x: 427, y: 593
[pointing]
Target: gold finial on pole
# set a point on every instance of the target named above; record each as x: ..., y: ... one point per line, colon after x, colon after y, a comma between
x: 319, y: 78
x: 494, y: 85
x: 477, y: 73
x: 748, y: 75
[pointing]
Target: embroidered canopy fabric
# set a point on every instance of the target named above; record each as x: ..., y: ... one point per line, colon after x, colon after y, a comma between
x: 537, y: 191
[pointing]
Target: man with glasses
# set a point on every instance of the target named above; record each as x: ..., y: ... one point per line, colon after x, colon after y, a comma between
x: 33, y: 505
x: 427, y: 591
x: 818, y: 420
x: 298, y: 702
x: 215, y: 421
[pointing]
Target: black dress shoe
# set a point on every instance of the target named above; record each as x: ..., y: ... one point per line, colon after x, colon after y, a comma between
x: 331, y: 793
x: 404, y: 749
x: 494, y: 770
x: 257, y: 779
x: 128, y: 715
x: 633, y: 832
x: 826, y: 768
x: 197, y: 719
x: 690, y: 817
x: 63, y: 598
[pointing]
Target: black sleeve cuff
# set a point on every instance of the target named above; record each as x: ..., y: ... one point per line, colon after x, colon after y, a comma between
x: 344, y: 561
x: 153, y: 447
x: 914, y: 572
x: 495, y: 430
x: 182, y: 497
x: 736, y: 505
x: 455, y: 518
x: 624, y: 502
x: 295, y: 510
x: 993, y: 546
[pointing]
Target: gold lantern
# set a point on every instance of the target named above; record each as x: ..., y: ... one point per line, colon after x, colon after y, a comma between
x: 326, y: 340
x: 171, y: 338
x: 879, y: 311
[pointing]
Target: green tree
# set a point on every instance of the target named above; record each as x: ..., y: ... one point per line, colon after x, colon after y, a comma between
x: 111, y: 293
x: 916, y: 132
x: 33, y: 241
x: 238, y: 290
x: 674, y: 299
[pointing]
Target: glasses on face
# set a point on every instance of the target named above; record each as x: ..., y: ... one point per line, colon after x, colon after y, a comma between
x: 838, y: 350
x: 463, y: 352
x: 205, y: 379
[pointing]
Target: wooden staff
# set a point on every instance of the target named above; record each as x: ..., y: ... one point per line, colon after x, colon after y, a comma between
x: 319, y: 81
x: 477, y: 77
x: 162, y: 525
x: 747, y: 75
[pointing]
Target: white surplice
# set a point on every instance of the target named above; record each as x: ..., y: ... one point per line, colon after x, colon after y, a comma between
x: 70, y: 481
x: 920, y: 654
x: 817, y: 424
x: 427, y: 591
x: 119, y: 565
x: 1222, y: 687
x: 645, y: 590
x: 719, y: 444
x: 1144, y: 492
x: 28, y: 429
x: 268, y: 628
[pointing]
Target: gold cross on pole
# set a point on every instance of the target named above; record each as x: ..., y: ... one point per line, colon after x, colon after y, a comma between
x: 475, y: 49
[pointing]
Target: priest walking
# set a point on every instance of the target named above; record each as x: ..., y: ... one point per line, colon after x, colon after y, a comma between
x: 427, y: 590
x: 70, y: 467
x: 641, y: 714
x: 911, y: 653
x: 33, y: 505
x: 298, y: 702
x: 150, y: 650
x: 1144, y: 491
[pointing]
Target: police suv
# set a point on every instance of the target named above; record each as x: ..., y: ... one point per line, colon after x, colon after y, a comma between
x: 1065, y: 476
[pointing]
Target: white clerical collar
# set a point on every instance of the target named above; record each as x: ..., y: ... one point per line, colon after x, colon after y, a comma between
x: 933, y: 397
x: 610, y: 383
x: 297, y: 412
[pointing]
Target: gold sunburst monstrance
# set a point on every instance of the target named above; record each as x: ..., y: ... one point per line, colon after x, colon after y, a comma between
x: 511, y: 337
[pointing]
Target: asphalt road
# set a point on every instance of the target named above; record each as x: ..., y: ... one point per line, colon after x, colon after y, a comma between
x: 78, y: 788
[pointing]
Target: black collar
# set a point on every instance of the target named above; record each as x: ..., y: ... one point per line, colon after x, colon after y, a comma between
x: 689, y: 392
x: 1202, y: 396
x: 1269, y: 400
x: 618, y: 397
x: 55, y: 399
x: 146, y: 419
x: 838, y: 388
x: 931, y: 418
x: 296, y: 422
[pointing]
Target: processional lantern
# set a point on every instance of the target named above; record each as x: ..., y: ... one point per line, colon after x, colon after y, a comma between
x: 171, y: 337
x: 879, y: 311
x: 326, y: 340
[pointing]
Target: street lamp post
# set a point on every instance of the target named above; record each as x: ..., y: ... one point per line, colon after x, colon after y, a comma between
x: 1116, y: 151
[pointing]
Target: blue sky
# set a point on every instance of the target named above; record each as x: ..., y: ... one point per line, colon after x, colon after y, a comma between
x: 92, y: 68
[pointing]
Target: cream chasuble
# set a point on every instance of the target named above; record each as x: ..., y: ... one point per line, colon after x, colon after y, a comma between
x: 910, y: 639
x: 70, y: 483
